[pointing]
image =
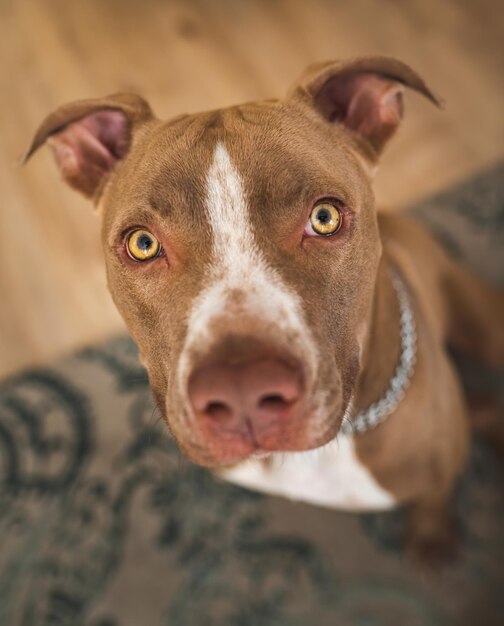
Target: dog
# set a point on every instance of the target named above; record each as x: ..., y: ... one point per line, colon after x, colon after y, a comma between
x: 295, y: 340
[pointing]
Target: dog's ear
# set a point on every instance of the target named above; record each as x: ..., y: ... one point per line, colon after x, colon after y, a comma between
x: 365, y: 94
x: 89, y: 137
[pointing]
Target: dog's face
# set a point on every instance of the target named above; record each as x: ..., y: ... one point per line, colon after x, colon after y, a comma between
x: 244, y: 281
x: 242, y: 250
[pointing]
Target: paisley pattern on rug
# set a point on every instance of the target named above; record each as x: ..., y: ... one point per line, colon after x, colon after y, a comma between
x: 104, y: 523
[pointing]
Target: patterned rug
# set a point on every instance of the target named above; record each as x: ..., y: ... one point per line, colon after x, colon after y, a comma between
x: 104, y: 523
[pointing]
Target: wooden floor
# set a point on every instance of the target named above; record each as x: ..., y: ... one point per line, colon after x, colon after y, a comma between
x: 190, y: 55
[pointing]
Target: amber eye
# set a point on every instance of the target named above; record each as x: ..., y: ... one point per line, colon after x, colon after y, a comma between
x: 325, y: 219
x: 142, y: 245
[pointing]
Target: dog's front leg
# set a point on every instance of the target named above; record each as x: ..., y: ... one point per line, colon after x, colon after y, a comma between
x: 431, y: 537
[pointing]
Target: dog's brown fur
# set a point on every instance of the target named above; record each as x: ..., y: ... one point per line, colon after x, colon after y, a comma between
x: 325, y: 138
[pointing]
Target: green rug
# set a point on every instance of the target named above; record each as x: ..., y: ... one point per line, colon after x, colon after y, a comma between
x: 104, y: 523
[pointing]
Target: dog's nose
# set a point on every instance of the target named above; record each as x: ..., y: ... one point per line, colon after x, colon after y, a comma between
x: 257, y: 393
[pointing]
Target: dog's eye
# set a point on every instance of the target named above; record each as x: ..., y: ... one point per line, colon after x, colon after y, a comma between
x: 141, y: 245
x: 325, y: 219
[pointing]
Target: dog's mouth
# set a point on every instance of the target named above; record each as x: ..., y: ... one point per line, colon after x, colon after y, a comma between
x: 229, y: 453
x: 212, y: 446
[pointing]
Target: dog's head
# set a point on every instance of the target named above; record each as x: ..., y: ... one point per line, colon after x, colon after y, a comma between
x: 242, y: 249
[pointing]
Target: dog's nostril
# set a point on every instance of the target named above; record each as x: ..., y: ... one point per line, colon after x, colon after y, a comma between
x: 218, y: 410
x: 273, y: 402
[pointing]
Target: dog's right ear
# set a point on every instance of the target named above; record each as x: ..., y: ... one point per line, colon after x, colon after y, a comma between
x: 90, y: 137
x: 363, y: 95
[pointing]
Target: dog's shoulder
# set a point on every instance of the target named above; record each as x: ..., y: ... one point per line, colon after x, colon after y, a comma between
x: 400, y: 230
x: 411, y: 247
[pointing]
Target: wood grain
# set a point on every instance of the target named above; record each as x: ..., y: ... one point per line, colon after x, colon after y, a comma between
x: 186, y: 56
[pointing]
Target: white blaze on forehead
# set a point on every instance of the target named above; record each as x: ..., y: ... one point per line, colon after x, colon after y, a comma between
x: 239, y: 266
x: 233, y: 243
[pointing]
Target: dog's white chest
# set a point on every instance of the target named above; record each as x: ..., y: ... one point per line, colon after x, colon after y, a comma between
x: 330, y: 476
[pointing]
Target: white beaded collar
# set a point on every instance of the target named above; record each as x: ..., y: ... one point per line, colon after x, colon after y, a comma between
x: 375, y: 414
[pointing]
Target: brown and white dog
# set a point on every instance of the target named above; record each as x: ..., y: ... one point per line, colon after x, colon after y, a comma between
x: 272, y: 307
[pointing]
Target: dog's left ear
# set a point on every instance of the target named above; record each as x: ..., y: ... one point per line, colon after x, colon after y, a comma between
x: 90, y: 137
x: 365, y: 95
